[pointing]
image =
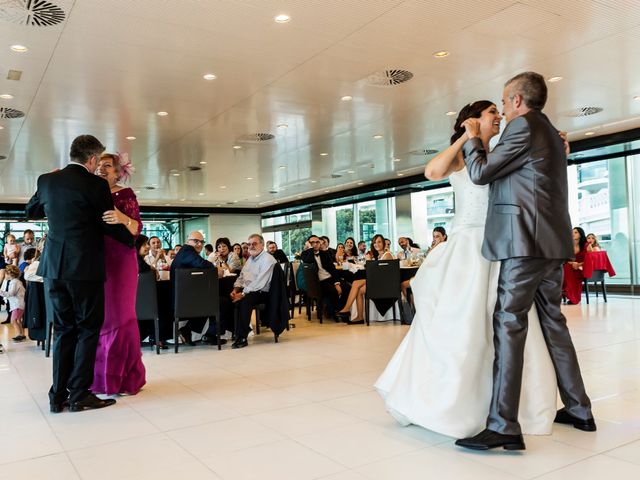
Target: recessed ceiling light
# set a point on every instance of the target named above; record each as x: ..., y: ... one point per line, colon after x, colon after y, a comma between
x: 235, y: 201
x: 441, y: 54
x: 451, y: 113
x: 299, y: 195
x: 6, y: 96
x: 554, y: 79
x: 360, y: 183
x: 183, y: 199
x: 401, y: 174
x: 203, y: 163
x: 327, y: 191
x: 377, y: 136
x: 347, y: 98
x: 237, y: 147
x: 324, y: 154
x: 351, y: 171
x: 249, y: 178
x: 223, y: 186
x: 19, y: 48
x: 218, y: 205
x: 209, y: 76
x: 282, y: 18
x: 282, y: 167
x: 588, y: 134
x: 163, y: 114
x: 176, y: 174
x: 396, y: 159
x: 257, y: 195
x: 314, y: 181
x: 283, y: 126
x: 167, y: 204
x: 1, y: 127
x: 130, y: 138
x: 137, y: 191
x: 201, y: 193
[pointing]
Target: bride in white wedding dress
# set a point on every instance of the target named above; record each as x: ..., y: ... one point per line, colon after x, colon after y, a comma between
x: 440, y: 377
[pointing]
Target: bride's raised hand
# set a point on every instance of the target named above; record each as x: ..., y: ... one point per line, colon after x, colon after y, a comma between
x: 472, y: 127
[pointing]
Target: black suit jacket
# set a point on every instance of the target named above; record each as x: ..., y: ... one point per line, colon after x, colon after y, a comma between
x: 73, y: 201
x: 326, y: 259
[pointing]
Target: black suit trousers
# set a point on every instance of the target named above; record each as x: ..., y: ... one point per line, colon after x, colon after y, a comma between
x: 245, y: 307
x: 77, y: 312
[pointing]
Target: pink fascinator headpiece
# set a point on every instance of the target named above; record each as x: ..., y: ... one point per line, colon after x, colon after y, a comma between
x: 126, y: 167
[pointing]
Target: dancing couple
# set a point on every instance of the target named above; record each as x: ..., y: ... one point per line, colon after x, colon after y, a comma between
x: 504, y: 256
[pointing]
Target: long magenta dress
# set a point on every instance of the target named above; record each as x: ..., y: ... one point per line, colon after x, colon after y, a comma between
x: 119, y: 367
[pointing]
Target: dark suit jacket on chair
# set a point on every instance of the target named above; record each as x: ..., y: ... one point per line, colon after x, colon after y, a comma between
x: 308, y: 256
x: 528, y: 212
x: 277, y: 311
x: 73, y: 200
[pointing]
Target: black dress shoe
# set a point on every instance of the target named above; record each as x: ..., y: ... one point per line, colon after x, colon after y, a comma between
x: 8, y: 320
x: 90, y: 402
x: 488, y: 439
x: 562, y: 416
x: 185, y: 334
x: 58, y: 407
x: 240, y: 343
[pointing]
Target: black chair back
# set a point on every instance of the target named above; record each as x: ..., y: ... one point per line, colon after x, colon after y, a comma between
x: 147, y: 296
x: 147, y: 302
x: 310, y: 272
x: 196, y: 295
x: 383, y: 279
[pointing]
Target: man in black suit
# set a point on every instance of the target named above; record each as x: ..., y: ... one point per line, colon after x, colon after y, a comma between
x: 73, y: 200
x: 327, y: 273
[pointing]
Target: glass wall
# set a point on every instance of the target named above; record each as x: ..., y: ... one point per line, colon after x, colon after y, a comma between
x: 169, y: 232
x: 600, y: 205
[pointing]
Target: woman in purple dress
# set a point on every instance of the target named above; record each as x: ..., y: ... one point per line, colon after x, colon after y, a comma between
x: 119, y: 367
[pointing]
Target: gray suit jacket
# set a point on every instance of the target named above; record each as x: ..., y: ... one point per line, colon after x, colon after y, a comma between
x: 528, y: 210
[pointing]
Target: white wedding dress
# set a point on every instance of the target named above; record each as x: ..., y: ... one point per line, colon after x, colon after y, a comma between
x: 440, y: 377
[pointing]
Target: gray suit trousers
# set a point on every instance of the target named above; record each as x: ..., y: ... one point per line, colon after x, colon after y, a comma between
x: 523, y: 281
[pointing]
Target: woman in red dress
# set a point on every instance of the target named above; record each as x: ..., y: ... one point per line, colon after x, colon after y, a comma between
x: 572, y: 284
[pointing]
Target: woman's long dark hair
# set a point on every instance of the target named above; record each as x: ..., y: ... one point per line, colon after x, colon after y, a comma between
x: 140, y: 241
x: 374, y: 252
x: 352, y: 252
x: 472, y: 110
x: 582, y: 243
x: 411, y: 244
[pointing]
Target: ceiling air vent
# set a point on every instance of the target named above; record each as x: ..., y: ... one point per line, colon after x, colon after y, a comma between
x: 256, y: 138
x: 10, y: 113
x: 150, y: 187
x: 336, y: 175
x: 389, y: 78
x: 14, y: 74
x: 273, y: 191
x: 194, y: 168
x: 2, y: 157
x: 36, y: 13
x: 423, y: 152
x: 583, y: 111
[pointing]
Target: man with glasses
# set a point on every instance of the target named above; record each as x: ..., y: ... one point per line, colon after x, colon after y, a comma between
x: 189, y: 256
x: 73, y: 200
x: 252, y: 287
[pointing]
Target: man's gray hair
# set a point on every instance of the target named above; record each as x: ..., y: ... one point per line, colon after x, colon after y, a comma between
x: 258, y: 236
x: 532, y: 87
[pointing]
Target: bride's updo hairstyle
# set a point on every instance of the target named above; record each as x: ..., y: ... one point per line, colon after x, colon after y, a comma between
x: 472, y: 110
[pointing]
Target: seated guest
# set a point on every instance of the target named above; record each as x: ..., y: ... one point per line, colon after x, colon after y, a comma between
x: 275, y: 252
x: 245, y: 250
x: 224, y: 258
x: 327, y: 273
x: 406, y: 248
x: 208, y: 250
x: 252, y: 287
x: 362, y: 250
x: 156, y: 256
x: 28, y: 243
x: 171, y: 254
x: 237, y: 249
x: 340, y: 254
x: 359, y: 287
x: 324, y: 245
x: 572, y: 281
x: 177, y: 248
x: 592, y: 243
x: 189, y: 257
x: 350, y: 250
x: 439, y: 235
x: 164, y: 322
x: 387, y: 245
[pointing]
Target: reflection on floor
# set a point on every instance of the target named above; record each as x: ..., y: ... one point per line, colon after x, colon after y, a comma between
x: 303, y: 409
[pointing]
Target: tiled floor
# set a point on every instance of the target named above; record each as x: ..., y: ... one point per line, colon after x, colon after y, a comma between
x: 305, y: 409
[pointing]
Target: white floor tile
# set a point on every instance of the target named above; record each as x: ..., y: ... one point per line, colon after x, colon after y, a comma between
x: 596, y: 468
x: 51, y: 467
x: 629, y: 452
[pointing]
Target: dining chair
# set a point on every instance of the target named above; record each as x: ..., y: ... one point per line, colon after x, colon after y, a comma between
x: 147, y: 303
x: 196, y: 295
x: 383, y: 283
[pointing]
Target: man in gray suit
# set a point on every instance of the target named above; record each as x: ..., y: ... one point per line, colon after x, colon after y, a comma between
x: 528, y: 229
